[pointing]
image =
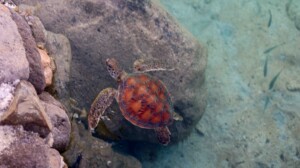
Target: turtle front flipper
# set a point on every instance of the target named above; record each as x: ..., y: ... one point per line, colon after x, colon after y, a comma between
x: 163, y: 135
x: 100, y: 104
x: 142, y: 65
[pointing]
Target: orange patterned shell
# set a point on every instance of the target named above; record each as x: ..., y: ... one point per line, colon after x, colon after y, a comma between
x: 145, y: 101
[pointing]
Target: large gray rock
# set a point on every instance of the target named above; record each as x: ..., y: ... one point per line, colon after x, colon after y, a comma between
x: 19, y: 148
x: 13, y: 62
x: 128, y: 30
x: 59, y: 119
x: 58, y: 47
x: 27, y: 110
x: 42, y: 114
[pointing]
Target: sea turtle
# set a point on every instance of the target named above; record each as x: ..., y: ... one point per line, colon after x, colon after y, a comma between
x: 143, y: 99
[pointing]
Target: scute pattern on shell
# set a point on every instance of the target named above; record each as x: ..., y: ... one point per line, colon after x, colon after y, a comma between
x: 145, y: 101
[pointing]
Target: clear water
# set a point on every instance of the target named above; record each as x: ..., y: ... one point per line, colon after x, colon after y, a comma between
x: 252, y: 117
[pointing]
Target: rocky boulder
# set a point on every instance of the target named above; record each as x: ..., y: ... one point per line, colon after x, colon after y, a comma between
x: 19, y: 148
x: 128, y: 30
x: 58, y: 47
x: 41, y: 114
x: 36, y: 71
x: 59, y: 119
x: 27, y: 110
x: 13, y: 61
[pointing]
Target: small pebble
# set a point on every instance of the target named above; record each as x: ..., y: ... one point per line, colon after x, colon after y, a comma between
x: 108, y: 163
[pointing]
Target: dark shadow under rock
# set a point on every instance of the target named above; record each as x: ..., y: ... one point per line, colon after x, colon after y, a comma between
x: 87, y: 151
x: 59, y: 119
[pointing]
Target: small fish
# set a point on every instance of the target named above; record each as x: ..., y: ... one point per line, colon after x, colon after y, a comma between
x: 199, y: 132
x: 266, y: 102
x: 266, y: 66
x: 270, y: 49
x: 272, y: 83
x: 270, y: 19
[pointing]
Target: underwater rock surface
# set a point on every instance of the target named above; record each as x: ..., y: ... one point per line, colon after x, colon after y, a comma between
x: 36, y: 73
x: 19, y: 148
x: 128, y: 30
x: 27, y: 110
x: 59, y: 49
x: 13, y: 62
x: 61, y: 125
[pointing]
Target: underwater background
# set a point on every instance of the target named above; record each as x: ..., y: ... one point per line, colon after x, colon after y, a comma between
x: 252, y: 115
x: 233, y: 78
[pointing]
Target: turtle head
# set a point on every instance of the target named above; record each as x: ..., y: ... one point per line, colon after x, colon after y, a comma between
x: 114, y: 69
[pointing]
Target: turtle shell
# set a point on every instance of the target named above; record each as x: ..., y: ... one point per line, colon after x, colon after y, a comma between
x: 145, y: 101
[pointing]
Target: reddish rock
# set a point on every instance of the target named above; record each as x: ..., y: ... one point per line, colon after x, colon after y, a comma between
x: 46, y: 62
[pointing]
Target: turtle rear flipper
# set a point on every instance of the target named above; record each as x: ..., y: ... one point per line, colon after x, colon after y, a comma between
x: 100, y: 104
x: 163, y: 135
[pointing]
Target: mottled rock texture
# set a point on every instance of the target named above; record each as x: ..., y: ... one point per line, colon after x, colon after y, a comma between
x: 38, y: 30
x: 27, y: 110
x: 128, y: 30
x: 59, y: 119
x: 58, y: 47
x: 6, y: 95
x: 13, y: 62
x: 19, y: 148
